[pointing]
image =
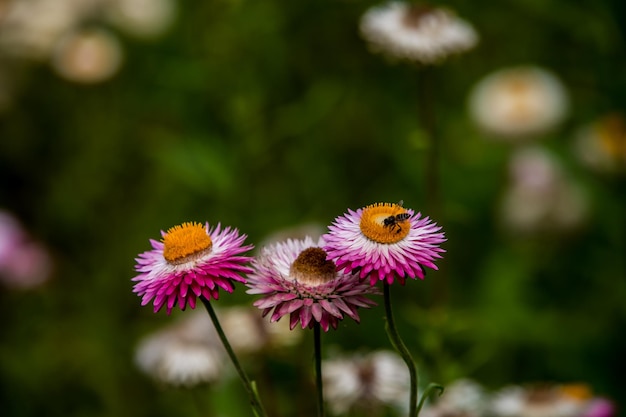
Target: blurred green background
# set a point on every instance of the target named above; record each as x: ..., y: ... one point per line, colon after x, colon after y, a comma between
x: 269, y: 114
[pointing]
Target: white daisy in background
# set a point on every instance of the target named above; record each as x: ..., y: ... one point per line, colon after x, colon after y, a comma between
x: 416, y: 32
x: 540, y: 196
x: 142, y: 18
x: 462, y: 398
x: 540, y: 401
x: 248, y: 332
x: 519, y: 102
x: 186, y: 353
x: 365, y: 382
x: 601, y: 145
x: 88, y: 56
x: 189, y: 352
x: 30, y: 29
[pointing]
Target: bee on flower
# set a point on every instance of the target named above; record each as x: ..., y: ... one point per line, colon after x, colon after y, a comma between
x: 384, y: 241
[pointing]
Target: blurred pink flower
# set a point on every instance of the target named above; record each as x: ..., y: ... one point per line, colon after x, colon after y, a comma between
x: 24, y: 263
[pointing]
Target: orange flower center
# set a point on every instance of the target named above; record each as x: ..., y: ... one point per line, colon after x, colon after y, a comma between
x: 312, y: 267
x: 186, y: 242
x: 576, y: 391
x: 612, y: 132
x: 385, y: 222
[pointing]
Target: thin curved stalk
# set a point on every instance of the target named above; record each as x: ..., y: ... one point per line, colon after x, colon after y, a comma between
x: 398, y: 344
x: 250, y: 387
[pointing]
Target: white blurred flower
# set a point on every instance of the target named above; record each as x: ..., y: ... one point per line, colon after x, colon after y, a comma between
x: 31, y: 28
x: 416, y: 32
x: 365, y: 381
x: 243, y: 328
x: 601, y: 145
x: 248, y: 332
x: 189, y: 352
x: 463, y: 397
x: 540, y: 197
x: 547, y: 401
x: 186, y: 353
x: 518, y: 102
x: 142, y: 18
x: 88, y: 56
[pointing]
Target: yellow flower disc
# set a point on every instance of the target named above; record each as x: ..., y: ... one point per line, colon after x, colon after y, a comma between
x: 576, y: 391
x: 186, y: 242
x: 373, y: 223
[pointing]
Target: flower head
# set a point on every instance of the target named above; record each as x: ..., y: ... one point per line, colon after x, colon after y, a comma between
x: 296, y: 278
x: 385, y: 241
x: 416, y: 32
x: 192, y: 260
x: 88, y: 56
x: 541, y: 197
x: 519, y: 102
x: 463, y: 397
x: 540, y: 401
x: 24, y: 262
x: 365, y: 381
x: 186, y: 353
x: 601, y: 145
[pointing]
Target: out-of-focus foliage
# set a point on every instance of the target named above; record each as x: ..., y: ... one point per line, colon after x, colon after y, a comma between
x: 268, y: 114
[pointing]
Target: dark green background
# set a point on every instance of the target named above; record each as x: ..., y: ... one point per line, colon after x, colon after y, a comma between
x: 268, y: 114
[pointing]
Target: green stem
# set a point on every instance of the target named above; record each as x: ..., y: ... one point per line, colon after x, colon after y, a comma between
x: 431, y: 387
x: 318, y: 369
x: 255, y: 402
x: 398, y: 344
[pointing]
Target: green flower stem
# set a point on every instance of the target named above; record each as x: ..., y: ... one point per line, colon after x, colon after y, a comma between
x: 250, y: 387
x: 398, y: 344
x: 430, y: 388
x: 318, y: 369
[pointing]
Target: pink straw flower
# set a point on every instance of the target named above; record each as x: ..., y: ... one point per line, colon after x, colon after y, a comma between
x: 190, y: 261
x: 296, y: 278
x: 385, y: 241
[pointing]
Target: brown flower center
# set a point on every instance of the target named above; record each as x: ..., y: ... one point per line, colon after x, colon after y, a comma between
x: 185, y: 243
x: 312, y: 267
x: 415, y: 13
x: 385, y: 222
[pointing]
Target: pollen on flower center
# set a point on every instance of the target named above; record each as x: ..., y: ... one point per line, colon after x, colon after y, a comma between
x: 312, y: 267
x: 186, y: 242
x: 385, y: 222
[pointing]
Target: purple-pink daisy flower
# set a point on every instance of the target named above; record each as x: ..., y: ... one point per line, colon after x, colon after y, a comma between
x: 296, y: 278
x: 190, y: 261
x: 385, y: 241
